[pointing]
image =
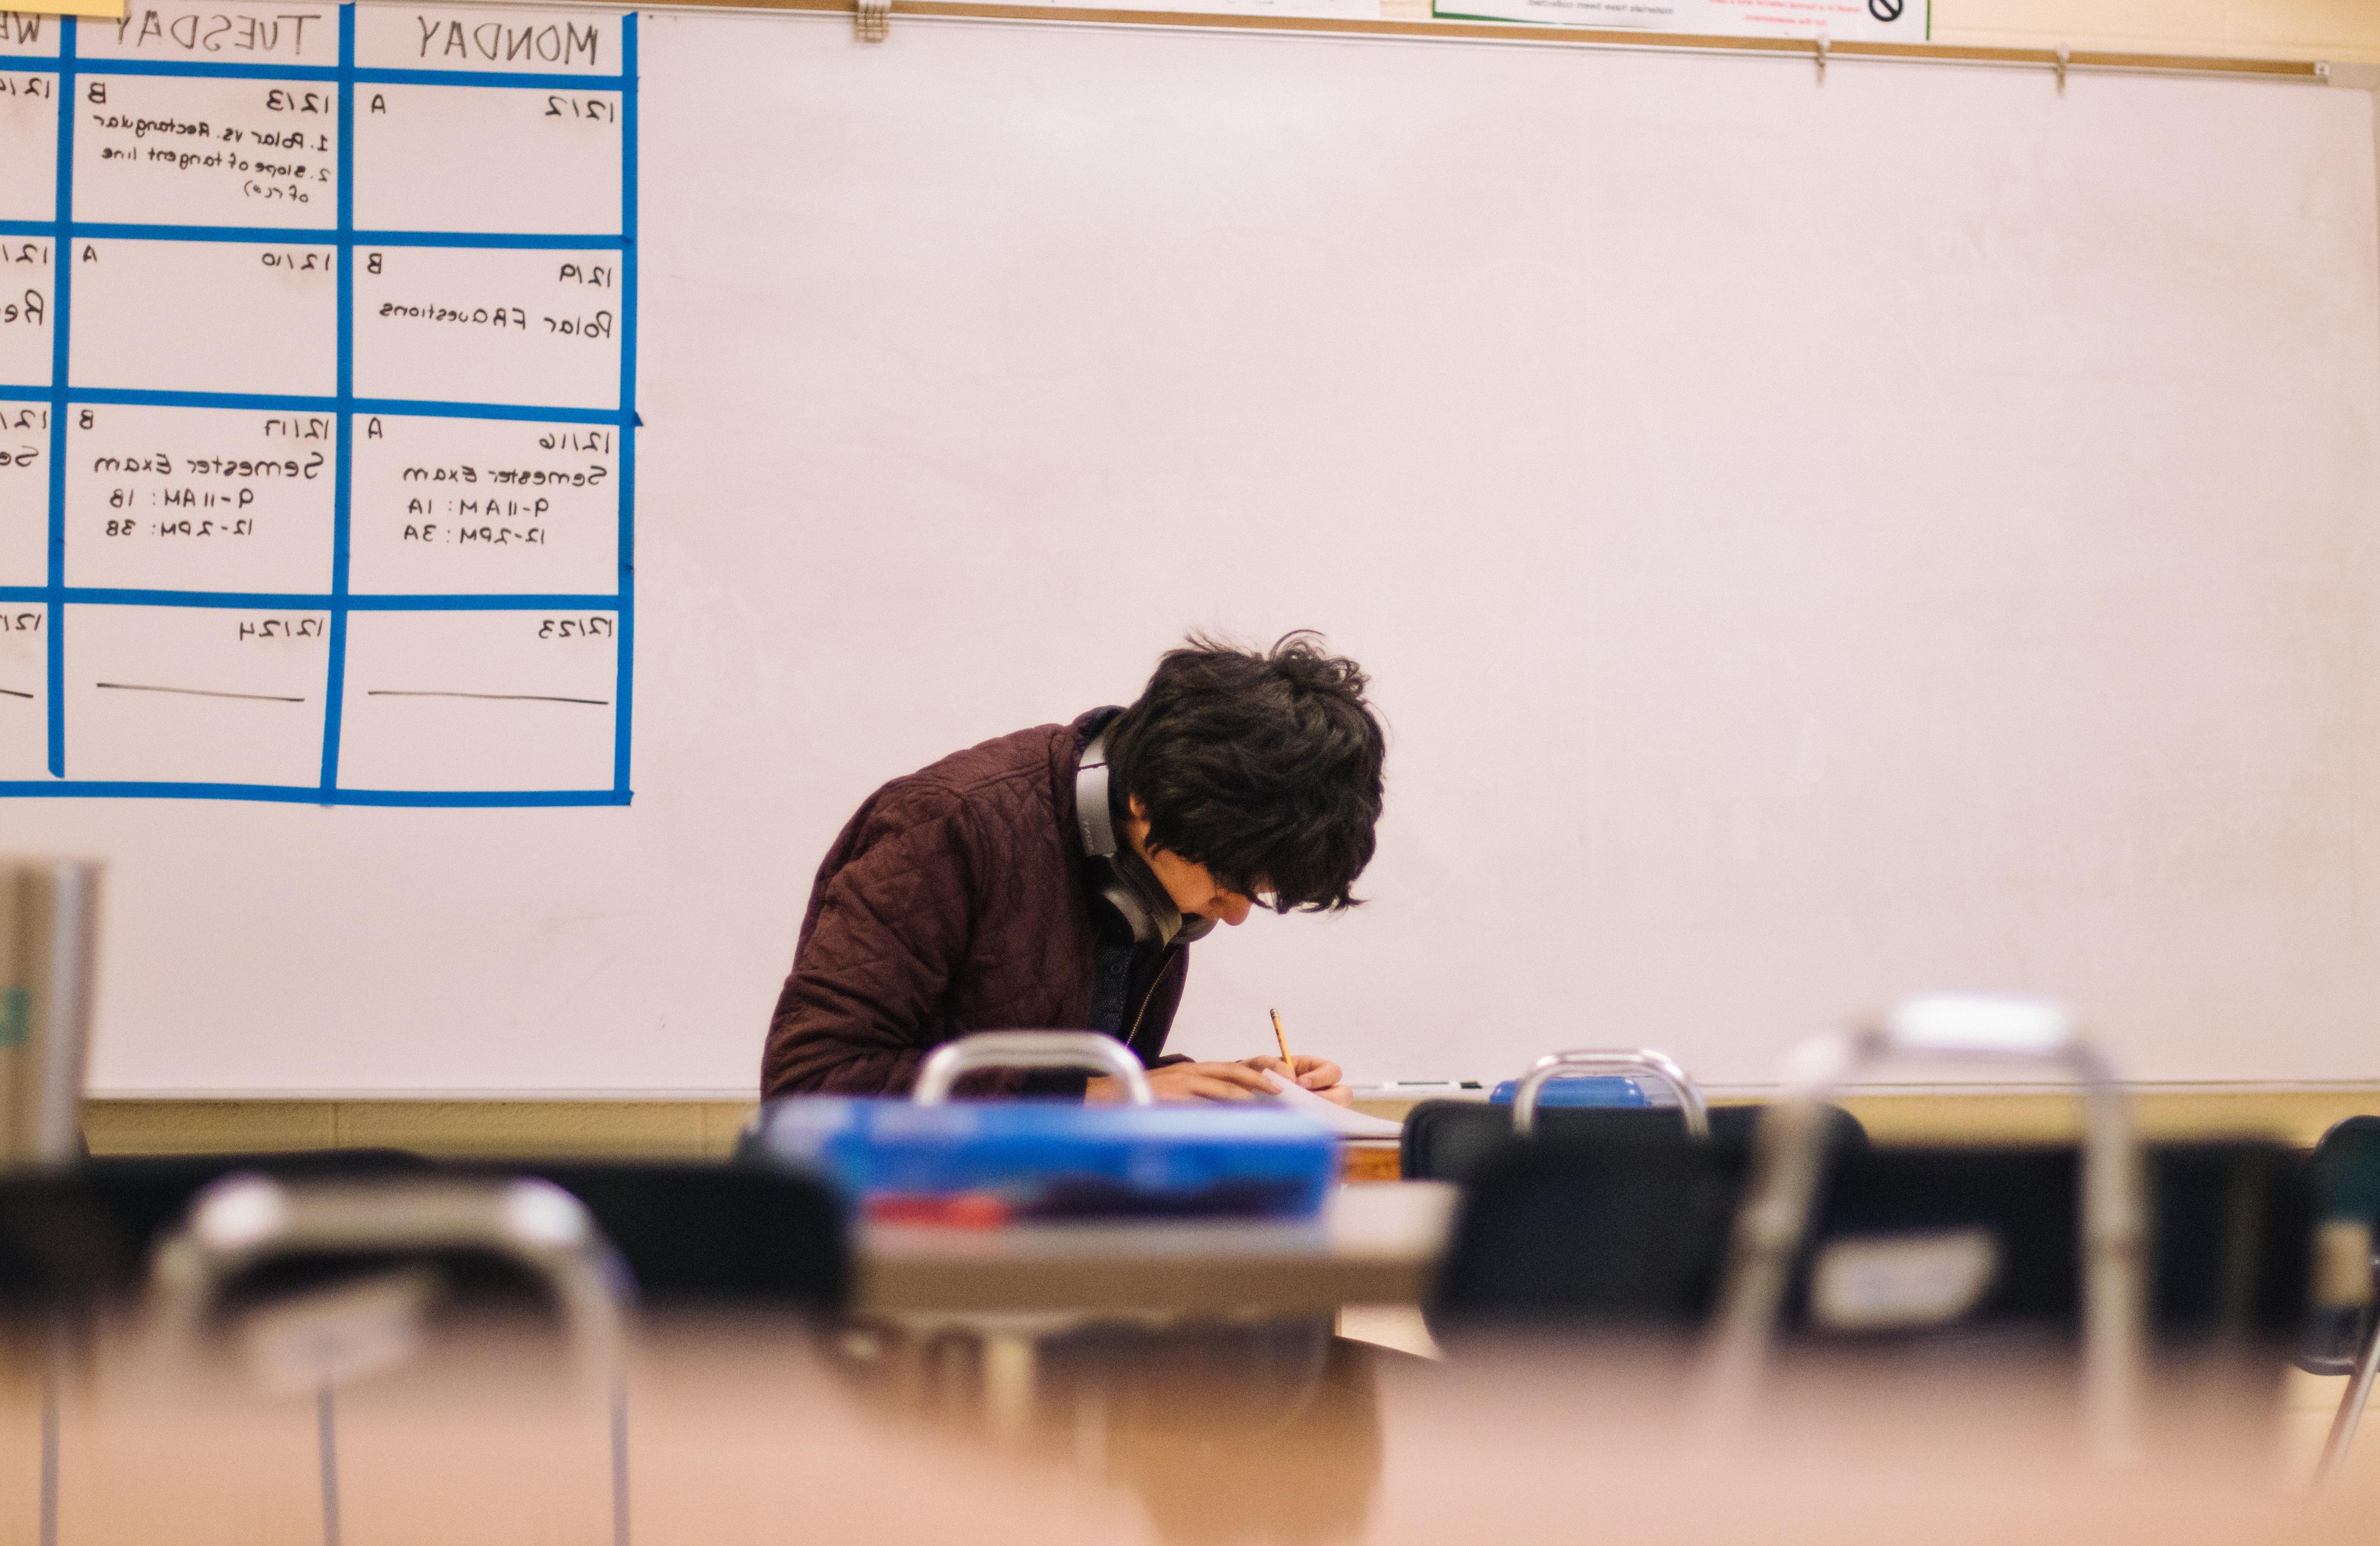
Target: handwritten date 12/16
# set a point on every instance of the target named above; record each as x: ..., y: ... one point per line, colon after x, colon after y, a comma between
x: 21, y: 622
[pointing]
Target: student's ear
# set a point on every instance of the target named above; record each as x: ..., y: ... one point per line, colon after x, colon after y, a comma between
x: 1139, y: 812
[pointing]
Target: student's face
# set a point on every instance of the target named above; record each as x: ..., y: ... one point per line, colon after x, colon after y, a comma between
x: 1192, y: 888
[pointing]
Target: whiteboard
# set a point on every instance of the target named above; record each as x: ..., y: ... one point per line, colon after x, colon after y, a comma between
x: 1812, y: 542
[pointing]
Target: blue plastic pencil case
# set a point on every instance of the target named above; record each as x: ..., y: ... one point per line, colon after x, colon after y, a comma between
x: 1033, y: 1158
x: 1602, y: 1090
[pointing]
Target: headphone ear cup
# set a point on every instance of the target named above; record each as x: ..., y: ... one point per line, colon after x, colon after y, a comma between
x: 1128, y: 908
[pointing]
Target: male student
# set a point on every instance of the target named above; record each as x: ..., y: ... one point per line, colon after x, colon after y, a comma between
x: 981, y: 895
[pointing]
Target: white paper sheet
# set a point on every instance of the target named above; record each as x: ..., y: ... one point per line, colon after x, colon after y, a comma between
x: 1340, y: 1119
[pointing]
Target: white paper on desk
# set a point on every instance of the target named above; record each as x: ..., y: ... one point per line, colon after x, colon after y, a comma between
x: 1340, y: 1119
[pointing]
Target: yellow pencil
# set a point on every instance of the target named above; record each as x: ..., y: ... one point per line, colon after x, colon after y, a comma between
x: 1282, y: 1037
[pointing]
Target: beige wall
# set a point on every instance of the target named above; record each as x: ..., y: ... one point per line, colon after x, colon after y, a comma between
x: 2336, y: 30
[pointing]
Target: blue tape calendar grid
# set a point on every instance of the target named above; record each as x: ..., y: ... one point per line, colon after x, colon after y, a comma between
x: 55, y: 595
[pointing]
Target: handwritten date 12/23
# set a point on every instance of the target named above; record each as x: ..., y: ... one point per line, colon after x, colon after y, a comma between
x: 575, y: 628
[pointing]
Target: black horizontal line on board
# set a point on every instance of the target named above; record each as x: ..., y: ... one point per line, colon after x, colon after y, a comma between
x: 492, y: 698
x: 12, y: 693
x: 194, y: 692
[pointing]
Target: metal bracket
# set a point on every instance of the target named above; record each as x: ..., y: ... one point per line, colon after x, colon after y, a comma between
x: 1820, y: 45
x: 1031, y: 1049
x: 1645, y: 1064
x: 872, y: 20
x: 2064, y: 54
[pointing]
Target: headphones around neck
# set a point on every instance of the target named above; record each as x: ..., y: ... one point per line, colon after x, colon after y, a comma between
x: 1127, y: 885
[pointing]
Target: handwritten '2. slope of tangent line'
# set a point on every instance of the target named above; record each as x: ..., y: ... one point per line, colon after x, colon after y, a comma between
x: 194, y: 692
x: 494, y: 697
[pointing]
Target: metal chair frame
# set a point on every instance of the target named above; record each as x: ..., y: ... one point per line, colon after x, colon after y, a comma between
x: 1789, y: 1154
x: 1032, y: 1049
x: 244, y: 1220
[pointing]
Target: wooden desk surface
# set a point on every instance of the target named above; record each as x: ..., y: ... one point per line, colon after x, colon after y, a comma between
x: 1374, y: 1244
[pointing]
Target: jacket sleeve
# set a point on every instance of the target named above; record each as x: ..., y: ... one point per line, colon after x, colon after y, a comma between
x: 887, y: 929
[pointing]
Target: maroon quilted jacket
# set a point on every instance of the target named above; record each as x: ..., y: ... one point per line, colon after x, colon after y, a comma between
x: 955, y: 901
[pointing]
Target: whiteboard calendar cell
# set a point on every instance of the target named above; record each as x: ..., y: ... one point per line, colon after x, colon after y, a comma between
x: 24, y: 690
x: 29, y: 145
x: 24, y: 493
x: 511, y: 40
x: 489, y: 325
x: 474, y: 506
x: 28, y: 32
x: 422, y: 163
x: 224, y: 317
x: 27, y: 345
x: 480, y: 700
x: 195, y: 694
x: 200, y: 499
x: 165, y: 149
x: 215, y: 34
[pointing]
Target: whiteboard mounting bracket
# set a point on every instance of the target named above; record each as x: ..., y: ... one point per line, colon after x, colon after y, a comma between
x: 872, y: 20
x: 1818, y: 45
x: 2064, y: 56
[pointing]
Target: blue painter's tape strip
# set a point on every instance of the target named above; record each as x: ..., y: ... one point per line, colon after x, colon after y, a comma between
x: 308, y: 794
x: 307, y: 601
x: 334, y: 694
x: 328, y: 236
x: 392, y: 408
x: 489, y: 78
x: 624, y: 692
x: 326, y: 73
x: 61, y: 313
x: 537, y: 241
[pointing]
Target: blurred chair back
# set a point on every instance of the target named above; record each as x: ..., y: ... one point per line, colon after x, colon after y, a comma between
x: 1618, y: 1225
x: 2342, y: 1328
x: 1943, y: 1245
x: 718, y: 1236
x: 1773, y: 1222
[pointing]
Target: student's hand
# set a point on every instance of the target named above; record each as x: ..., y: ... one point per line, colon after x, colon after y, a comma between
x: 1317, y: 1074
x: 1189, y: 1082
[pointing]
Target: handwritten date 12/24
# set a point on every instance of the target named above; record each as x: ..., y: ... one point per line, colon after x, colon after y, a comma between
x: 282, y: 627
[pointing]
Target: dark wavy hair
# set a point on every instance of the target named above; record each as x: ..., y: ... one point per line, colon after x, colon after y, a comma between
x: 1262, y: 765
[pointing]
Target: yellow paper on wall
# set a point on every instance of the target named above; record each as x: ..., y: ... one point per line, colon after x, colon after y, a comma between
x: 70, y: 8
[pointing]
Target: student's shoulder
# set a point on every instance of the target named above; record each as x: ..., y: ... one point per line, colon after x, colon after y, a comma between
x: 1004, y: 773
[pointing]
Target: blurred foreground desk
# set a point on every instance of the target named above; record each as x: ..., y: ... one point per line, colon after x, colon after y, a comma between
x: 1377, y: 1243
